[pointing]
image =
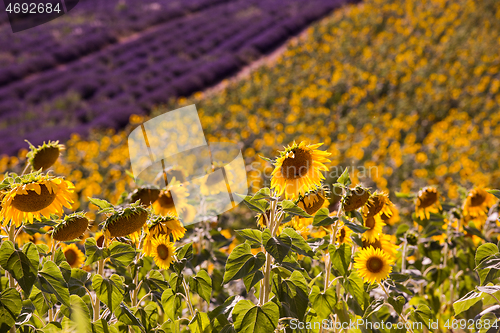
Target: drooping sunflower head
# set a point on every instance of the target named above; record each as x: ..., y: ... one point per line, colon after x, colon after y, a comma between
x: 378, y: 203
x: 165, y: 204
x: 261, y: 219
x: 373, y: 265
x: 124, y: 222
x: 74, y: 256
x: 33, y: 196
x: 344, y: 235
x: 162, y: 251
x: 145, y: 195
x: 167, y: 225
x: 45, y: 155
x: 215, y: 181
x: 298, y: 169
x: 355, y: 198
x: 477, y: 203
x: 427, y: 202
x: 71, y: 227
x: 375, y: 226
x: 312, y: 201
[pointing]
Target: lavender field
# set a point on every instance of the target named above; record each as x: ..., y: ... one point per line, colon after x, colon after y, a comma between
x: 109, y: 59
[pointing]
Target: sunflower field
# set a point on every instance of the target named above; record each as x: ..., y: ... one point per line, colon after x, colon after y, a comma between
x: 371, y: 146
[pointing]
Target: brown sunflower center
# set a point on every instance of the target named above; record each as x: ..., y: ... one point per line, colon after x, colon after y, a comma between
x: 374, y: 264
x: 342, y: 235
x: 45, y: 158
x: 370, y: 222
x: 477, y: 199
x: 100, y: 241
x: 375, y: 205
x: 71, y: 256
x: 215, y: 177
x: 165, y: 200
x: 316, y: 205
x: 356, y: 200
x: 33, y: 202
x: 428, y: 198
x: 163, y: 252
x: 146, y: 196
x: 297, y: 165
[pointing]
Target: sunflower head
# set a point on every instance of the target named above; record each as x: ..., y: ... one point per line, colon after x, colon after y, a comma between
x: 124, y: 222
x: 427, y: 202
x: 73, y: 226
x: 165, y: 204
x: 385, y: 244
x: 34, y: 196
x: 166, y: 225
x: 393, y: 218
x: 45, y: 155
x: 73, y: 255
x: 162, y: 251
x: 477, y: 203
x: 344, y: 235
x: 378, y: 203
x: 100, y: 239
x: 312, y: 201
x: 373, y: 265
x: 375, y: 226
x: 298, y: 169
x: 145, y: 195
x: 357, y: 198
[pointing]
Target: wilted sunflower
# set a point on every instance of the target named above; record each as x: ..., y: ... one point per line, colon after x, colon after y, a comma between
x: 385, y: 244
x: 477, y: 203
x: 215, y: 182
x: 74, y: 256
x: 378, y: 203
x: 312, y: 201
x: 125, y: 221
x: 373, y: 265
x: 44, y: 156
x: 165, y: 205
x: 167, y: 225
x: 146, y: 195
x: 298, y: 169
x: 73, y: 226
x: 357, y: 198
x: 32, y: 196
x: 427, y: 202
x: 163, y: 251
x: 375, y: 225
x: 344, y: 235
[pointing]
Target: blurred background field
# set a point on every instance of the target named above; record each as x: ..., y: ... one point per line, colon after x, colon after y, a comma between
x: 411, y: 88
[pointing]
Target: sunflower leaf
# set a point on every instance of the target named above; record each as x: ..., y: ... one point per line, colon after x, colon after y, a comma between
x: 10, y: 308
x: 52, y: 281
x: 291, y: 208
x: 278, y: 247
x: 260, y: 318
x: 253, y: 236
x: 357, y: 228
x: 299, y: 245
x: 22, y: 265
x: 323, y: 302
x: 93, y: 252
x: 102, y: 204
x: 109, y: 291
x: 344, y: 178
x: 121, y: 254
x: 341, y: 257
x: 241, y: 262
x: 321, y: 218
x: 496, y: 193
x: 202, y: 285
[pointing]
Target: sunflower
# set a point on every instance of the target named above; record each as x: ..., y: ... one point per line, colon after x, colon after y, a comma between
x: 35, y: 195
x: 313, y: 201
x: 344, y: 235
x: 356, y: 198
x: 427, y: 202
x: 373, y: 265
x: 177, y: 173
x: 375, y: 225
x: 162, y: 251
x: 165, y: 205
x: 74, y: 256
x: 145, y: 195
x: 385, y: 244
x: 298, y: 169
x: 215, y: 183
x: 99, y: 238
x: 393, y: 218
x: 477, y: 203
x: 261, y: 219
x: 44, y: 156
x: 167, y: 225
x: 378, y: 203
x: 73, y: 226
x: 125, y: 221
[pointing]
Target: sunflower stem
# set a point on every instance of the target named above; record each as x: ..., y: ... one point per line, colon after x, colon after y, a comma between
x: 188, y: 297
x: 12, y: 282
x: 381, y: 284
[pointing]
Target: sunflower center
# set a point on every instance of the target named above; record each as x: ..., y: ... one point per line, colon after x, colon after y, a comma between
x: 370, y: 222
x: 215, y: 177
x: 375, y: 206
x: 100, y: 241
x: 428, y: 199
x: 33, y: 202
x: 45, y: 158
x: 165, y: 200
x: 297, y: 165
x: 374, y: 264
x: 71, y: 256
x: 146, y: 195
x: 342, y: 235
x: 163, y: 252
x: 477, y: 199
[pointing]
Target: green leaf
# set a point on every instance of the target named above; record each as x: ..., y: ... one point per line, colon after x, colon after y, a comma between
x: 102, y: 204
x: 199, y: 323
x: 259, y: 206
x: 202, y: 285
x: 357, y: 228
x: 78, y: 312
x: 171, y: 303
x: 185, y: 252
x: 241, y: 262
x: 109, y: 291
x: 20, y: 264
x: 397, y: 303
x: 344, y: 178
x: 484, y: 251
x: 124, y: 315
x: 278, y: 247
x: 93, y: 252
x: 355, y: 287
x: 156, y: 280
x: 488, y: 323
x: 252, y: 279
x: 489, y: 268
x: 52, y: 281
x: 299, y: 245
x: 239, y: 311
x: 291, y: 208
x: 77, y: 281
x: 260, y: 319
x: 496, y: 193
x: 422, y: 314
x: 10, y: 307
x: 341, y: 257
x: 323, y: 303
x: 254, y: 236
x: 373, y: 307
x: 121, y: 254
x: 102, y: 326
x: 321, y: 218
x: 263, y: 193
